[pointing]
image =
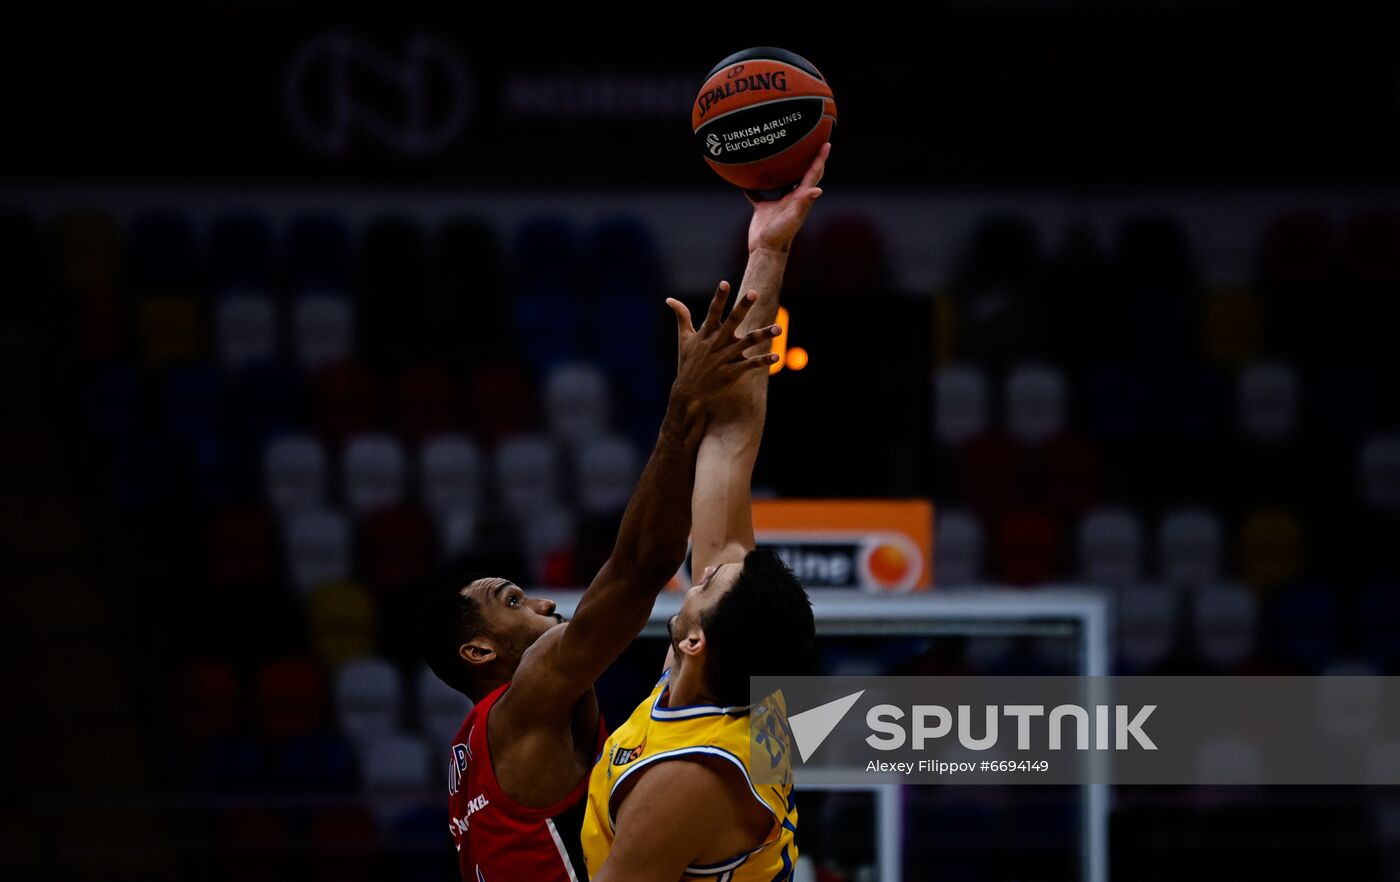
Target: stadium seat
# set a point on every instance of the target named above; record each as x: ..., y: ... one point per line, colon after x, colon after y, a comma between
x: 1117, y: 404
x: 321, y: 762
x: 323, y: 329
x: 1271, y: 549
x: 89, y: 250
x: 241, y: 252
x: 469, y: 313
x: 192, y: 398
x: 245, y: 329
x: 1230, y: 328
x: 850, y: 258
x: 450, y: 474
x: 623, y: 250
x: 341, y: 622
x: 1147, y: 625
x: 990, y: 474
x: 266, y: 400
x: 527, y: 474
x: 960, y: 403
x: 294, y: 473
x: 1379, y: 625
x: 501, y: 403
x: 441, y: 710
x: 958, y: 549
x: 374, y: 470
x: 1304, y: 623
x: 1069, y: 473
x: 548, y: 317
x: 546, y: 248
x: 346, y: 400
x: 1110, y: 547
x: 607, y: 471
x: 1268, y: 401
x: 1350, y: 703
x: 1190, y: 546
x: 1156, y: 274
x: 369, y: 699
x: 209, y: 700
x: 393, y: 297
x: 547, y: 534
x: 1225, y: 619
x: 318, y: 252
x: 576, y: 403
x: 318, y: 548
x: 427, y: 401
x: 399, y: 548
x: 1028, y: 548
x: 395, y: 763
x: 290, y: 699
x: 241, y: 551
x: 167, y: 330
x: 992, y: 285
x: 456, y: 530
x: 1379, y: 468
x: 1036, y: 401
x: 161, y: 254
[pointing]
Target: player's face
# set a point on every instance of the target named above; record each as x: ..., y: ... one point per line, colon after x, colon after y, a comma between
x: 516, y: 621
x: 714, y: 583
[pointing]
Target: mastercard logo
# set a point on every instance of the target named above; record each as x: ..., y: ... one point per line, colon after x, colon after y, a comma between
x: 891, y: 562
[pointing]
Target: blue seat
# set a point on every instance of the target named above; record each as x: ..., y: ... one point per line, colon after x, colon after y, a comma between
x: 548, y: 318
x: 1304, y: 620
x: 161, y: 253
x: 318, y: 253
x: 546, y: 249
x: 1380, y: 627
x: 241, y: 252
x: 623, y: 249
x: 264, y: 400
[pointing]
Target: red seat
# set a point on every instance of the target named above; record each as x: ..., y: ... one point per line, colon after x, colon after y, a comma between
x: 989, y: 470
x: 850, y: 257
x: 399, y: 548
x: 209, y: 700
x: 427, y: 402
x: 241, y: 552
x: 291, y: 699
x: 346, y: 400
x: 1028, y: 548
x: 501, y: 403
x: 1070, y: 474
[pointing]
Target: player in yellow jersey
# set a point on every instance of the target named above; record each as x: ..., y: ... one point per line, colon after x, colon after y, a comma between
x: 673, y: 795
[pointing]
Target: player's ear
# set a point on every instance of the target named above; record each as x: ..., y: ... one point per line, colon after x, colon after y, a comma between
x: 477, y: 651
x: 693, y: 643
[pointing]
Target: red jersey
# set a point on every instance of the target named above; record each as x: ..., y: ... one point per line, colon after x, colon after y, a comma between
x: 497, y: 839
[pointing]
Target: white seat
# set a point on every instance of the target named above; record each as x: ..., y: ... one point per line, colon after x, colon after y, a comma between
x: 245, y: 325
x: 1268, y: 401
x: 395, y: 763
x: 527, y: 473
x: 1036, y: 397
x: 318, y: 548
x: 368, y: 699
x: 1349, y: 700
x: 545, y: 532
x: 1147, y: 616
x: 576, y: 403
x: 1225, y: 620
x: 607, y: 474
x: 294, y: 473
x: 958, y: 549
x: 1190, y: 543
x: 374, y: 472
x: 1379, y: 464
x: 959, y: 403
x: 323, y: 328
x: 449, y: 473
x: 441, y: 710
x: 1110, y: 547
x: 456, y: 531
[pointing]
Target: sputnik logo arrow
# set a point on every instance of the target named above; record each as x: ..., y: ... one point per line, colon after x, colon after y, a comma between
x: 810, y: 728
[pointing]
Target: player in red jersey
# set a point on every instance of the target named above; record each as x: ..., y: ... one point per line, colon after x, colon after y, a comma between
x: 521, y: 761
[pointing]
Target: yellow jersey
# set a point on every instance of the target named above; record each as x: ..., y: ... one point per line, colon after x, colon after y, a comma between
x: 655, y: 733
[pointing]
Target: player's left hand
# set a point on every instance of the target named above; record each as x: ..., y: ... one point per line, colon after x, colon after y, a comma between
x: 775, y: 224
x: 709, y: 359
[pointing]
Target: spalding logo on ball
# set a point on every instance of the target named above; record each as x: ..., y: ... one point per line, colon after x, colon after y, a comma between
x: 761, y: 117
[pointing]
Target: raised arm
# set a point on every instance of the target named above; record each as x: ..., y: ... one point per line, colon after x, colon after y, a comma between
x: 650, y: 545
x: 722, y: 504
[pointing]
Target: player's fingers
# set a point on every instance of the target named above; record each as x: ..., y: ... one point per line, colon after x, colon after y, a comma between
x: 758, y: 335
x: 764, y: 361
x: 716, y: 313
x: 684, y: 324
x: 741, y: 309
x: 818, y: 167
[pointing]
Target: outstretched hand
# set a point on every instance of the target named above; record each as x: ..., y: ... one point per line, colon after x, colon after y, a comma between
x: 775, y: 224
x: 709, y: 359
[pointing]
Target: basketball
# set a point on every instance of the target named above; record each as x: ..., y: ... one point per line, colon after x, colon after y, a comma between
x: 761, y: 117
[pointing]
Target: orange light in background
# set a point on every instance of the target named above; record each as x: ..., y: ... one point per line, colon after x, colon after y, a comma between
x: 796, y: 357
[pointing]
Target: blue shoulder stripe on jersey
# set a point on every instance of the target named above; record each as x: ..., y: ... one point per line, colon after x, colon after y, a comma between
x: 691, y: 711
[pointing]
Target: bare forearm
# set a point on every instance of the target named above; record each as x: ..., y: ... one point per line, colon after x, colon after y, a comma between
x: 738, y: 415
x: 652, y: 536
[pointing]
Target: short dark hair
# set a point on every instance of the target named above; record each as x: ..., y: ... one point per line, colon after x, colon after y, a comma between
x: 762, y: 626
x: 447, y: 621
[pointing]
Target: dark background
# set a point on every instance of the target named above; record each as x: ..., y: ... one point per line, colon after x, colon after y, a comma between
x: 1114, y: 285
